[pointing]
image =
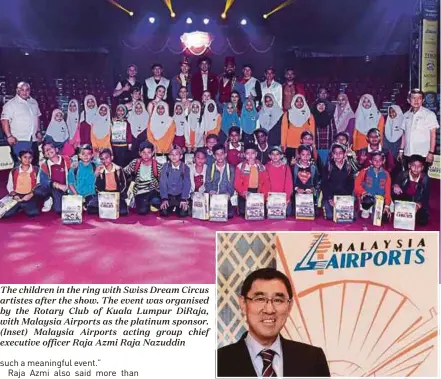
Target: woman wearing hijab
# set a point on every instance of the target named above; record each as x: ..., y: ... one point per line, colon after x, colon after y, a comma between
x: 194, y: 137
x: 325, y: 128
x: 181, y: 124
x: 294, y: 122
x: 270, y: 119
x: 73, y: 118
x: 344, y: 116
x: 161, y: 129
x: 249, y: 121
x: 83, y: 133
x: 101, y: 129
x: 229, y: 119
x: 211, y: 119
x: 367, y: 117
x: 57, y: 131
x: 121, y: 137
x: 138, y: 120
x: 393, y: 129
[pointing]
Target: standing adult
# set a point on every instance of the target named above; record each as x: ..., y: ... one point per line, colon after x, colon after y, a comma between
x: 151, y: 84
x: 229, y: 82
x: 420, y: 126
x: 344, y: 116
x: 252, y: 85
x: 291, y: 88
x: 204, y: 80
x: 124, y: 88
x: 20, y: 120
x: 323, y: 96
x: 183, y: 79
x: 271, y: 86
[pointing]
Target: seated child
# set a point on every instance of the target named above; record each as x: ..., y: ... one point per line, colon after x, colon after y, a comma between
x: 261, y: 136
x: 364, y: 155
x: 343, y: 139
x: 250, y: 176
x: 121, y: 137
x: 210, y: 141
x: 306, y: 175
x: 337, y: 179
x: 174, y: 185
x: 307, y: 138
x: 145, y: 172
x: 53, y: 178
x: 235, y: 152
x: 198, y: 171
x: 279, y: 175
x: 373, y: 181
x: 81, y: 179
x: 220, y: 176
x: 111, y: 178
x: 21, y: 184
x: 413, y: 185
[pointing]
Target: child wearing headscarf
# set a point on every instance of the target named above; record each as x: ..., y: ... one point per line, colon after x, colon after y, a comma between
x: 121, y: 137
x: 211, y: 119
x: 324, y: 126
x: 138, y: 120
x: 72, y: 119
x: 249, y: 121
x: 367, y: 117
x: 194, y: 137
x: 229, y: 119
x: 270, y: 118
x: 101, y: 130
x: 294, y: 122
x: 393, y: 129
x: 344, y: 116
x: 161, y: 129
x: 83, y: 132
x: 181, y: 125
x: 57, y: 131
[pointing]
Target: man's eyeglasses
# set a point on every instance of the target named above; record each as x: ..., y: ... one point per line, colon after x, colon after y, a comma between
x: 277, y: 302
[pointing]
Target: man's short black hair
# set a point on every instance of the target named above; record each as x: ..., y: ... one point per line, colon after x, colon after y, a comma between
x: 154, y: 65
x: 416, y: 158
x: 248, y: 65
x: 373, y: 130
x: 218, y: 146
x: 201, y: 150
x: 23, y: 152
x: 265, y: 274
x: 415, y: 91
x: 146, y: 145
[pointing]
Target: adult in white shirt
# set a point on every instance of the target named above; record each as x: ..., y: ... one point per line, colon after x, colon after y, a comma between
x: 252, y: 85
x: 420, y: 126
x: 21, y: 122
x: 151, y: 84
x: 271, y: 86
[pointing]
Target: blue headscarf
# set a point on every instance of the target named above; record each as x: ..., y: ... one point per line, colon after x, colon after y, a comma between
x: 229, y: 120
x: 249, y: 118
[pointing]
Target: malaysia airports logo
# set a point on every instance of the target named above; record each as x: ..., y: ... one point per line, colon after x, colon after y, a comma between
x: 325, y: 255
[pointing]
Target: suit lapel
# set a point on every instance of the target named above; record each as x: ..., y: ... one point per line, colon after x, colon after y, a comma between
x: 289, y: 359
x: 246, y: 365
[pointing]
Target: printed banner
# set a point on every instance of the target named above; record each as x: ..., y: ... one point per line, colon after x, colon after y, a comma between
x: 434, y: 170
x: 6, y: 162
x: 429, y: 57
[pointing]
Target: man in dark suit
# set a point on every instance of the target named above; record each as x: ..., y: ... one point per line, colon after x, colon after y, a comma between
x: 204, y: 80
x: 266, y: 301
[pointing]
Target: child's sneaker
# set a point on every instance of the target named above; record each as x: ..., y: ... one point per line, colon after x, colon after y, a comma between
x: 47, y: 206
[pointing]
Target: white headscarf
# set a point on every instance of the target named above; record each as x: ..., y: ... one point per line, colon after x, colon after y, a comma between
x: 366, y: 119
x: 88, y: 114
x: 101, y: 125
x: 138, y: 123
x: 268, y: 117
x: 160, y: 124
x: 298, y: 117
x: 180, y: 120
x: 393, y: 127
x: 57, y: 129
x: 195, y: 124
x: 209, y: 119
x: 342, y: 117
x: 72, y: 118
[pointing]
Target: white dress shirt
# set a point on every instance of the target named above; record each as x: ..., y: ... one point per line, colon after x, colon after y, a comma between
x: 417, y: 127
x: 205, y: 81
x: 23, y: 117
x: 275, y: 89
x: 254, y: 348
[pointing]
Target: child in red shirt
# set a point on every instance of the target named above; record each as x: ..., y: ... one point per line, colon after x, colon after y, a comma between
x: 235, y: 152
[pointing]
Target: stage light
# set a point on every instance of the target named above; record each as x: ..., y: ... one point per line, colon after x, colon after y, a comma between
x: 26, y: 53
x: 243, y: 22
x: 228, y: 5
x: 173, y: 15
x: 129, y: 12
x: 152, y: 20
x: 189, y: 20
x: 278, y: 8
x: 170, y: 8
x: 206, y: 21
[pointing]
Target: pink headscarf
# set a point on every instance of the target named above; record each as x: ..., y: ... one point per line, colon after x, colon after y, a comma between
x: 342, y: 116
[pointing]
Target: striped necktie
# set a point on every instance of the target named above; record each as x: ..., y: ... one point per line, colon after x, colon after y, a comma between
x: 267, y: 358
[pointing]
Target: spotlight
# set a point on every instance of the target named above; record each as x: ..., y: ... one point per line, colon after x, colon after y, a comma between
x: 243, y: 22
x: 26, y: 53
x: 224, y: 15
x: 173, y: 15
x: 189, y: 20
x: 152, y: 20
x: 265, y: 16
x: 131, y: 14
x: 206, y: 21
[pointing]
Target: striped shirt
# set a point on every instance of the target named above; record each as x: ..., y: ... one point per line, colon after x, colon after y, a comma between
x: 145, y: 180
